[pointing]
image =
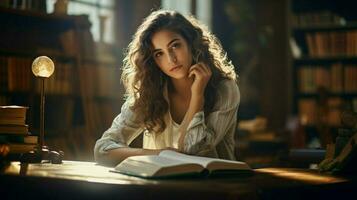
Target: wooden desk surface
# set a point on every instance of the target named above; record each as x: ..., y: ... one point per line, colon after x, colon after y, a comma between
x: 86, y: 180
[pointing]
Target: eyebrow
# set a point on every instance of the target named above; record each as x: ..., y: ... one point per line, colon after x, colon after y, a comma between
x: 168, y: 44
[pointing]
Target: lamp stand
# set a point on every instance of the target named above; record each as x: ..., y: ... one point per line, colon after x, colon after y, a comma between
x: 42, y: 113
x: 42, y: 152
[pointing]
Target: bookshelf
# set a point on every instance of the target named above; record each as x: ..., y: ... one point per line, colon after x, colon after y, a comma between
x: 82, y: 96
x: 323, y: 61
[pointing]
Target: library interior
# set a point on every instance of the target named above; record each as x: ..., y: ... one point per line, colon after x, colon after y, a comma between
x: 296, y: 66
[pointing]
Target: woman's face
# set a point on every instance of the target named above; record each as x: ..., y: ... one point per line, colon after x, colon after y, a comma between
x: 172, y: 54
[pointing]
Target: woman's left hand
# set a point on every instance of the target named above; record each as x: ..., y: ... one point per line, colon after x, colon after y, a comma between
x: 201, y: 74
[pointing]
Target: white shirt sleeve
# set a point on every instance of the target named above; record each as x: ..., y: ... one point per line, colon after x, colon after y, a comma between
x: 122, y: 132
x: 204, y: 134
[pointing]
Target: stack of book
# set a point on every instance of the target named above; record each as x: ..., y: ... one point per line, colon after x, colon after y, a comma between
x: 14, y: 130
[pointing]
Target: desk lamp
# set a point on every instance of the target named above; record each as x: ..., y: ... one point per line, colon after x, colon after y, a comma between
x: 42, y: 67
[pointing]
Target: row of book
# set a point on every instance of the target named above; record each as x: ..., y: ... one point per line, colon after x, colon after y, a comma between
x: 337, y: 78
x: 71, y: 48
x: 37, y: 6
x: 332, y: 43
x: 14, y: 131
x: 313, y: 113
x: 60, y: 82
x: 16, y: 75
x: 325, y: 17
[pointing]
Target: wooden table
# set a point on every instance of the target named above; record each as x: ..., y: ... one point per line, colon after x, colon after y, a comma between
x: 86, y: 180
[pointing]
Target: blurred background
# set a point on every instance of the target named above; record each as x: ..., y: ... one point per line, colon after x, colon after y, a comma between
x: 296, y: 61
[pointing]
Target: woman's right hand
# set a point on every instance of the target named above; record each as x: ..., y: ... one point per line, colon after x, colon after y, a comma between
x: 201, y: 74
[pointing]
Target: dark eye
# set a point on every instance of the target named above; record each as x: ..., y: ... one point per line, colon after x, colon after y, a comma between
x: 175, y: 45
x: 158, y: 54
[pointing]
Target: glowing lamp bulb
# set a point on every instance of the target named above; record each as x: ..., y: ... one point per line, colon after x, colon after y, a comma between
x: 43, y: 67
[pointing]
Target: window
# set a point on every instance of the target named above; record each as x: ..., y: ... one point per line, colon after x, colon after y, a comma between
x: 182, y: 6
x: 203, y: 8
x: 99, y: 12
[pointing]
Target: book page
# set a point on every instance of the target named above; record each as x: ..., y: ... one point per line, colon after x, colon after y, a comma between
x: 156, y: 160
x: 204, y: 161
x: 145, y: 166
x: 153, y: 165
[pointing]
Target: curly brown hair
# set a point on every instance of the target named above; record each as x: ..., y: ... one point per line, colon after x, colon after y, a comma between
x: 145, y: 82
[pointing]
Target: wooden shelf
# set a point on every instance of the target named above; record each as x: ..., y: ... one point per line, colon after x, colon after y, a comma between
x: 18, y: 53
x: 326, y: 27
x: 79, y: 96
x: 327, y: 59
x: 344, y: 95
x: 55, y: 21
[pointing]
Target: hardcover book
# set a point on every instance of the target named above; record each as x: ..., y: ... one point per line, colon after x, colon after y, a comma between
x: 12, y: 111
x: 14, y: 129
x: 21, y: 139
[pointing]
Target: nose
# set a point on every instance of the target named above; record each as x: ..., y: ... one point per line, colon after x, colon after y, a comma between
x: 172, y: 57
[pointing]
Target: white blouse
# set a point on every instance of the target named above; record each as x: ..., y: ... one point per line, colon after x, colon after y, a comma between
x: 212, y: 136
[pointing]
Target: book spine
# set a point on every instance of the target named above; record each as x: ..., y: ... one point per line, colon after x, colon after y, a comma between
x: 19, y: 139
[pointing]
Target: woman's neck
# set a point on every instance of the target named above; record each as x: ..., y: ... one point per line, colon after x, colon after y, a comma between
x: 182, y: 87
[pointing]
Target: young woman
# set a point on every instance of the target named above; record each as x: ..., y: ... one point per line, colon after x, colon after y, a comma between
x: 181, y: 93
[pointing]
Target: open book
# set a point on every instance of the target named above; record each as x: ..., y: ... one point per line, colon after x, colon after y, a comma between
x: 170, y: 163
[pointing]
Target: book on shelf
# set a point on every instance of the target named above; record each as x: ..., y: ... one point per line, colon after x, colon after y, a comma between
x: 318, y: 18
x: 19, y: 74
x: 350, y: 78
x: 171, y: 164
x: 335, y: 77
x: 307, y: 111
x: 331, y: 43
x: 310, y: 111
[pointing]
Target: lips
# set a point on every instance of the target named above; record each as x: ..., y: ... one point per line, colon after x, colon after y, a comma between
x: 175, y: 68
